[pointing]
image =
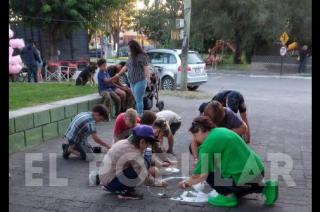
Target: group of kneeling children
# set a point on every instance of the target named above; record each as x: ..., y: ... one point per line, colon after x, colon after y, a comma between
x: 220, y: 148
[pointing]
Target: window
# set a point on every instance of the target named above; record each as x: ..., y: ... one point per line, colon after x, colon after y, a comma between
x: 161, y: 58
x: 194, y: 58
x: 172, y: 59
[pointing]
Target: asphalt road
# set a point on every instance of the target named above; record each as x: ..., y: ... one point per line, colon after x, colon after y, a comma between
x: 280, y: 119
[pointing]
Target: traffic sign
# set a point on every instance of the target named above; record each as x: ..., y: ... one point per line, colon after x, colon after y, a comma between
x: 284, y: 38
x: 177, y: 34
x: 283, y: 51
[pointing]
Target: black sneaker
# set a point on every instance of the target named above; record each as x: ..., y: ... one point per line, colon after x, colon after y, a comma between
x: 65, y: 153
x: 130, y: 195
x: 97, y: 180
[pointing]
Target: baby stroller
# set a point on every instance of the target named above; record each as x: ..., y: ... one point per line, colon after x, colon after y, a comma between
x: 151, y: 92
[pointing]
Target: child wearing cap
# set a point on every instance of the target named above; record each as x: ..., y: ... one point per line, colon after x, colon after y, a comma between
x: 160, y: 128
x: 124, y: 166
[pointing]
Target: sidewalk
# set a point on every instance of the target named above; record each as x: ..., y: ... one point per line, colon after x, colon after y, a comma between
x: 278, y: 129
x: 257, y: 73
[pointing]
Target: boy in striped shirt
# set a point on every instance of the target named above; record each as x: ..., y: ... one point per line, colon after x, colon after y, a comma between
x: 82, y: 126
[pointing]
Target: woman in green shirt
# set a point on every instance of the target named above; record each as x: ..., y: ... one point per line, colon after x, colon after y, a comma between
x: 224, y: 154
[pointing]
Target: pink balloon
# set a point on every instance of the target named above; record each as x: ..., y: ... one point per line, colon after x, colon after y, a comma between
x: 14, y: 69
x: 16, y: 43
x: 10, y: 51
x: 15, y: 60
x: 10, y: 33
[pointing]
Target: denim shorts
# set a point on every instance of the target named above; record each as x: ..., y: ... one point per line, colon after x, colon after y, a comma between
x: 40, y: 65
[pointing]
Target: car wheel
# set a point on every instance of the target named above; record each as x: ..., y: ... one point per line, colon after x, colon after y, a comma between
x: 167, y: 83
x: 193, y: 88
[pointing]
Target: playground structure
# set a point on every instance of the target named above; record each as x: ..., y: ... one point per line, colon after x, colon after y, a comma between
x: 218, y: 48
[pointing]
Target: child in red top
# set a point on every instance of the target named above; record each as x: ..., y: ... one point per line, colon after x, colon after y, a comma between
x: 125, y: 122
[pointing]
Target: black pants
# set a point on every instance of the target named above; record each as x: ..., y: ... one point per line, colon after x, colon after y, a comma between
x: 119, y: 183
x: 239, y: 191
x: 84, y: 148
x: 174, y: 127
x: 32, y: 72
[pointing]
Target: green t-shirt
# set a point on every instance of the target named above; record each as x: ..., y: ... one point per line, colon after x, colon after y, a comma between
x: 238, y: 161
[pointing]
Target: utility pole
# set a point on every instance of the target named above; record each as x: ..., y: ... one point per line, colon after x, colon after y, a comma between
x: 185, y: 44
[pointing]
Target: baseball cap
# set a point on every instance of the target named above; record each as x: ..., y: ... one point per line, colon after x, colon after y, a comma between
x: 144, y: 131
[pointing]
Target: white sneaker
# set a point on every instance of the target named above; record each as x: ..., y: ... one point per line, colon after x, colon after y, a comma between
x: 93, y: 178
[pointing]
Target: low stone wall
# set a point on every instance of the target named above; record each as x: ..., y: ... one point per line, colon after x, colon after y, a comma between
x: 33, y: 125
x: 276, y: 67
x: 272, y: 64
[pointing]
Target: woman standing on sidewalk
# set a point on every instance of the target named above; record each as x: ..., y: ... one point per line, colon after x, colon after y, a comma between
x: 39, y: 65
x: 138, y: 73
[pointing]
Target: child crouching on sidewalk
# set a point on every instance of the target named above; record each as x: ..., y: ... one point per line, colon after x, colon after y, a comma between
x: 124, y: 167
x: 82, y: 126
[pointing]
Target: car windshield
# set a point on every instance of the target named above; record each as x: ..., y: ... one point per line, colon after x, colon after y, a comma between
x: 193, y: 58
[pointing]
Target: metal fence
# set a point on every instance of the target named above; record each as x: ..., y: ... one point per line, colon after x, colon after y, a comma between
x: 74, y: 48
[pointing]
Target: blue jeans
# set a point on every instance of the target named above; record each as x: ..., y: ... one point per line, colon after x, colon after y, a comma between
x: 138, y: 90
x: 120, y: 185
x: 116, y: 185
x: 302, y: 65
x: 32, y: 73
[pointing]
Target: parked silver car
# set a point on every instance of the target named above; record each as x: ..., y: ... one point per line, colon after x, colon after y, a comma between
x: 169, y: 61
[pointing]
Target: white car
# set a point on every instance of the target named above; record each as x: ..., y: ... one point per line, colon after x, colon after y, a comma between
x: 169, y: 60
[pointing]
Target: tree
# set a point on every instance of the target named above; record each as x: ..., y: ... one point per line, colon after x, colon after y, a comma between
x: 299, y: 20
x: 122, y: 18
x: 249, y: 24
x: 158, y: 19
x: 59, y: 18
x: 237, y: 21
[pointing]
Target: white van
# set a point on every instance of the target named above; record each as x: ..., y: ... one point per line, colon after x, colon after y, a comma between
x: 170, y: 62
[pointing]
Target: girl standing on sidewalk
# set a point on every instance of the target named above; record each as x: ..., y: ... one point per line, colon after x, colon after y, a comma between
x: 138, y: 73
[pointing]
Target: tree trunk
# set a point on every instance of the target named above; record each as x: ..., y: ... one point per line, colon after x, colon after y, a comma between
x: 90, y: 34
x: 249, y: 54
x: 237, y: 55
x: 117, y: 32
x: 114, y: 40
x: 52, y: 45
x: 117, y: 39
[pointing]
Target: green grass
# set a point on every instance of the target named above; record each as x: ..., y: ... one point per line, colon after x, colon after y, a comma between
x: 186, y: 94
x: 25, y: 94
x: 240, y: 67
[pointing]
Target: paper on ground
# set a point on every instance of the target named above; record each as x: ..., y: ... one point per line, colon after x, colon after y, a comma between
x: 195, y: 196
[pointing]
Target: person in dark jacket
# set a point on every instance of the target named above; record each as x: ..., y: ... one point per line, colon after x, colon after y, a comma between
x: 30, y: 58
x: 303, y: 54
x: 235, y: 101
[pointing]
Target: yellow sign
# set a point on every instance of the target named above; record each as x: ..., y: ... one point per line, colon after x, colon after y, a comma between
x: 292, y: 46
x: 284, y: 38
x: 177, y: 34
